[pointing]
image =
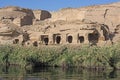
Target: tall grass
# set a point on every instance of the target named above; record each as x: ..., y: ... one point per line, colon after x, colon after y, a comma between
x: 64, y: 56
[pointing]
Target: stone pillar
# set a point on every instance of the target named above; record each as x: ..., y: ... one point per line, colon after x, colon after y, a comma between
x: 63, y: 39
x: 75, y: 38
x: 101, y: 38
x: 50, y: 39
x: 86, y: 41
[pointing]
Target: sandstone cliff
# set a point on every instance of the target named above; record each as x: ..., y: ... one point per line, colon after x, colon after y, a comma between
x: 94, y: 25
x: 105, y: 14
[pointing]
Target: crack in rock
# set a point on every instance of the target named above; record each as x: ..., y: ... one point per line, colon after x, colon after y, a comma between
x: 105, y: 13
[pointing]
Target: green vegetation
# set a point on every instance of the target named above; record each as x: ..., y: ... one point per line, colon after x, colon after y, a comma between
x: 64, y: 56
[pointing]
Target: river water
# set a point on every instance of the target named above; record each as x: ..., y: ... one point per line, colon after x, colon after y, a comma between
x: 16, y: 73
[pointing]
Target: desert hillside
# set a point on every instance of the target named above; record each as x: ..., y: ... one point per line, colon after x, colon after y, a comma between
x: 93, y: 25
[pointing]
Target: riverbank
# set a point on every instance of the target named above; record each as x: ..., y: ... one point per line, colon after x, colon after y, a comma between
x: 107, y: 57
x: 51, y: 73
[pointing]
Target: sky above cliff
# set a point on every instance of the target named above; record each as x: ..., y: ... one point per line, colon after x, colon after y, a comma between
x: 53, y: 5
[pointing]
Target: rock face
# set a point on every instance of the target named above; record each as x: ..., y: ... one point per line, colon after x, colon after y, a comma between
x: 41, y: 14
x: 104, y: 14
x: 21, y: 16
x: 94, y: 25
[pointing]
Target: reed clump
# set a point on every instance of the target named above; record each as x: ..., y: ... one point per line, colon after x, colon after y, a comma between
x: 64, y: 56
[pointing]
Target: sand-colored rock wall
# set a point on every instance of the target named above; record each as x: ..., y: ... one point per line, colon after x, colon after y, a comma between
x: 104, y: 14
x: 93, y: 25
x: 41, y: 14
x: 68, y: 14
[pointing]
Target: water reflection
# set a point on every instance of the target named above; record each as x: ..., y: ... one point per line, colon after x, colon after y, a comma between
x: 5, y: 69
x: 51, y: 73
x: 113, y: 74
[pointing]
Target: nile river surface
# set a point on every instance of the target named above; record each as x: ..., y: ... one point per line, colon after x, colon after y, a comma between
x: 16, y: 73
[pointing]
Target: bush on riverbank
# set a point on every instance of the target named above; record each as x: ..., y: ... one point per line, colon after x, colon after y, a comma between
x: 65, y: 56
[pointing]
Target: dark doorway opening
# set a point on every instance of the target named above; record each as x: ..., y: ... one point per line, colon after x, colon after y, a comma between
x: 46, y: 40
x: 28, y: 43
x: 81, y: 39
x: 58, y: 39
x: 70, y: 38
x: 16, y: 41
x: 93, y: 38
x: 35, y: 43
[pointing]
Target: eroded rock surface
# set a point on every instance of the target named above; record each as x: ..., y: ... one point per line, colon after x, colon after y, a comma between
x: 93, y: 25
